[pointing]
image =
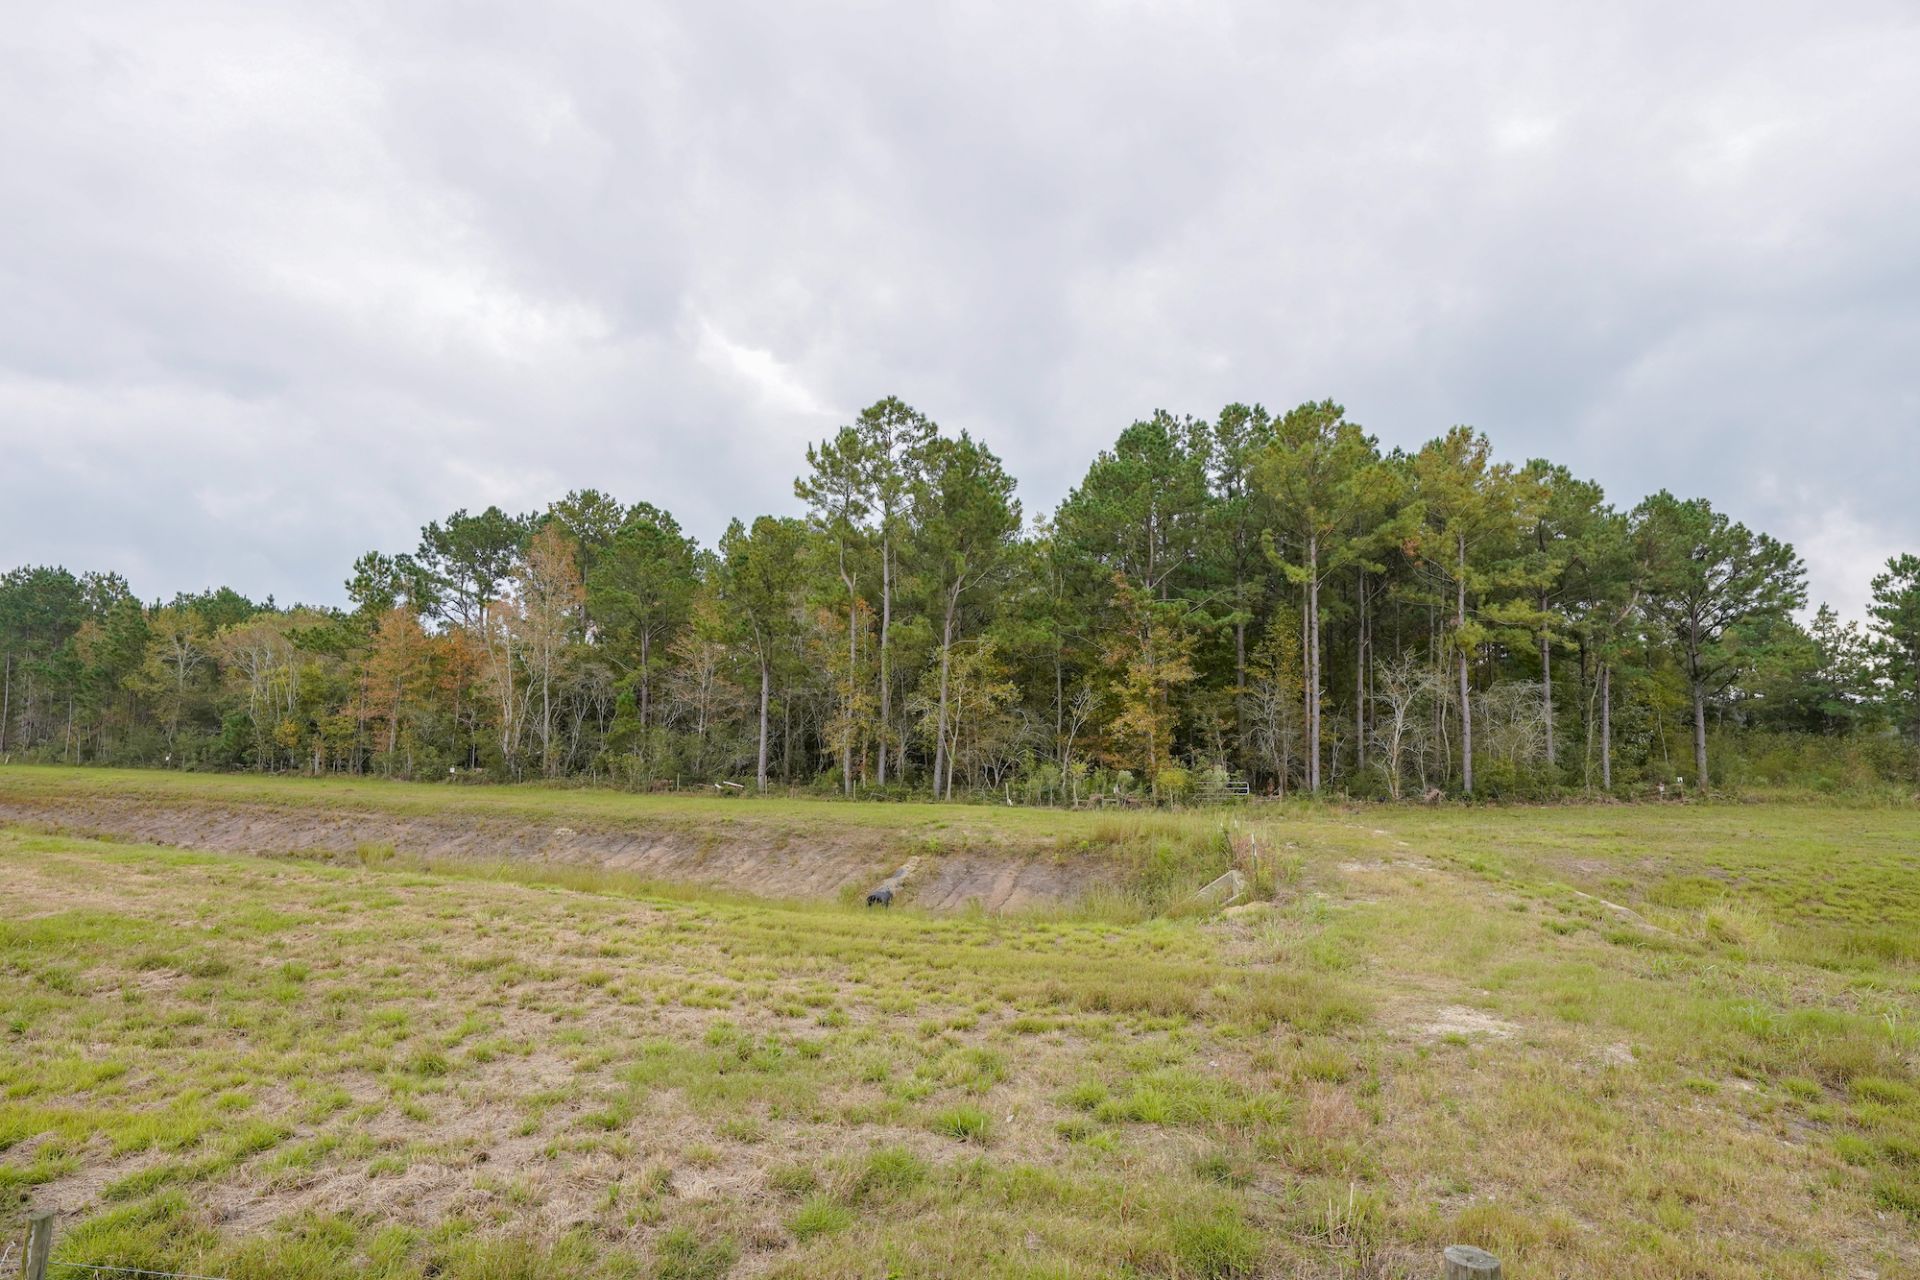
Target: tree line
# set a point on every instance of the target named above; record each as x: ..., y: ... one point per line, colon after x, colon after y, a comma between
x: 1257, y: 599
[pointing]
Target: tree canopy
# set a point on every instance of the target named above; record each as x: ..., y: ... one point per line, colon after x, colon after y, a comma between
x: 1257, y: 598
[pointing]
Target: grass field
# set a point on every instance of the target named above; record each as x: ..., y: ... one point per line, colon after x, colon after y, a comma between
x: 1619, y: 1042
x: 955, y: 824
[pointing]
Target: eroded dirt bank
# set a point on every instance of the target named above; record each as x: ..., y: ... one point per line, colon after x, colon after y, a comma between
x: 770, y: 865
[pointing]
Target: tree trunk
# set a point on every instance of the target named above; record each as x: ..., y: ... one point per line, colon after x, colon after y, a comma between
x: 646, y: 681
x: 953, y: 756
x: 1153, y: 759
x: 1546, y: 684
x: 942, y: 780
x: 1059, y: 710
x: 1700, y: 734
x: 1360, y: 685
x: 1313, y: 682
x: 786, y: 737
x: 1240, y: 674
x: 1442, y: 744
x: 1286, y: 760
x: 27, y: 717
x: 1581, y: 677
x: 886, y: 672
x: 393, y: 730
x: 6, y: 702
x: 1466, y: 728
x: 1466, y: 700
x: 1306, y: 682
x: 1606, y: 726
x: 853, y: 664
x: 760, y: 774
x: 546, y: 715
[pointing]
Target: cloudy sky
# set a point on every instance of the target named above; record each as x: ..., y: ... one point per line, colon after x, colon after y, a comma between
x: 279, y: 282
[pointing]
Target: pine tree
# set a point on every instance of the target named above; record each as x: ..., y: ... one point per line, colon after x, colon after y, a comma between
x: 1895, y: 615
x: 1708, y: 578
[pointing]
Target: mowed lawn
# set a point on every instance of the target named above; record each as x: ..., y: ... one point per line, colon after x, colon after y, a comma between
x: 1608, y: 1042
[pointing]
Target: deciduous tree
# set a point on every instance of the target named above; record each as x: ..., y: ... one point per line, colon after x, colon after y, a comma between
x: 549, y: 598
x: 1150, y: 655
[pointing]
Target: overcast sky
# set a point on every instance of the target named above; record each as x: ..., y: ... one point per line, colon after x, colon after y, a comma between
x: 281, y: 282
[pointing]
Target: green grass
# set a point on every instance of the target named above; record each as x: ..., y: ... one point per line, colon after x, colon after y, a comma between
x: 1639, y: 1042
x: 964, y: 1123
x: 934, y: 826
x: 1150, y: 861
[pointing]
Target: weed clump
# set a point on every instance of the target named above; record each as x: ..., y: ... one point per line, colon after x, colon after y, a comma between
x: 1213, y: 1244
x: 374, y: 853
x: 964, y: 1124
x: 890, y: 1172
x: 819, y: 1216
x: 682, y: 1255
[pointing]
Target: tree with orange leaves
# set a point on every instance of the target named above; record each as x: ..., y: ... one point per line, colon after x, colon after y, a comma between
x: 399, y: 678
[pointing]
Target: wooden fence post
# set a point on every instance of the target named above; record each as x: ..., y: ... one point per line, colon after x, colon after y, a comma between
x: 33, y: 1264
x: 1464, y: 1262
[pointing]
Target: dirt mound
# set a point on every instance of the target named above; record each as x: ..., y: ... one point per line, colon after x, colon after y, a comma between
x: 764, y: 864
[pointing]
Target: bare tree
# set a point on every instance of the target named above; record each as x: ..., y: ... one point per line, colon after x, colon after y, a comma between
x: 1513, y: 715
x: 547, y: 579
x: 1074, y: 712
x: 178, y: 650
x: 1402, y: 686
x: 1276, y: 717
x: 499, y: 632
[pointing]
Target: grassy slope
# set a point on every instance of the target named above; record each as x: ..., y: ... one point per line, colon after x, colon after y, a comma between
x: 1631, y: 1042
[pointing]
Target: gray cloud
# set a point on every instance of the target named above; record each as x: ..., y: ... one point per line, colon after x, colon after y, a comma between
x: 283, y: 282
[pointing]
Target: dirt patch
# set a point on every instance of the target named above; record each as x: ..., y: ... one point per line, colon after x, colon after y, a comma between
x: 1458, y: 1020
x: 772, y: 865
x: 1625, y: 913
x: 1383, y: 864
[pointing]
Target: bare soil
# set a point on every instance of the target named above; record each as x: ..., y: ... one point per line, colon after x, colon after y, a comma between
x: 773, y: 865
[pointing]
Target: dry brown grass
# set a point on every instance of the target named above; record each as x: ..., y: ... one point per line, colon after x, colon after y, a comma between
x: 1433, y: 1032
